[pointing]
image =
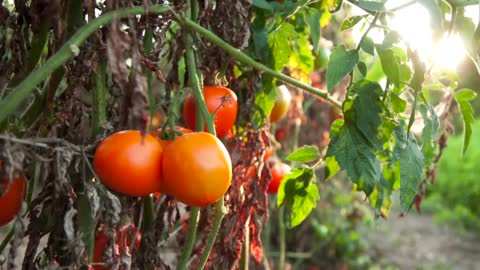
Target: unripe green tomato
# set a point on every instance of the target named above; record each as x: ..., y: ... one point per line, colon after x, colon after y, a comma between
x: 282, y: 103
x: 321, y: 59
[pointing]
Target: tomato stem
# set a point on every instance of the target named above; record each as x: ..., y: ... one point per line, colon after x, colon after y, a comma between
x: 7, y: 238
x: 148, y: 216
x: 242, y: 57
x: 191, y: 235
x: 201, y: 115
x: 246, y: 246
x: 282, y: 236
x: 219, y: 214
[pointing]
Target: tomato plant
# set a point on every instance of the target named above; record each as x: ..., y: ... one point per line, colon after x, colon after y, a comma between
x: 126, y: 65
x: 221, y: 101
x: 197, y: 169
x: 129, y: 163
x: 282, y: 103
x: 278, y: 171
x: 11, y: 198
x: 121, y: 247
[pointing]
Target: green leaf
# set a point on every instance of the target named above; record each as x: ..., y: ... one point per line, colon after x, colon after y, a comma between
x: 301, y: 62
x: 313, y: 16
x: 391, y: 38
x: 390, y: 65
x: 367, y: 107
x: 463, y: 96
x: 262, y: 4
x: 429, y: 134
x: 331, y: 167
x: 340, y: 64
x: 371, y: 5
x: 410, y: 158
x: 333, y: 5
x: 362, y: 67
x: 304, y: 202
x: 356, y: 156
x: 351, y: 22
x: 398, y: 104
x: 304, y: 154
x: 368, y: 46
x: 405, y: 73
x: 299, y: 194
x: 463, y: 3
x: 264, y: 102
x: 279, y: 43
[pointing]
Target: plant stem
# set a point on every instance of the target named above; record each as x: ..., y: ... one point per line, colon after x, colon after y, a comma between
x: 191, y: 235
x: 219, y: 214
x: 201, y: 115
x: 99, y: 101
x: 282, y: 236
x: 242, y: 57
x: 9, y: 104
x: 7, y: 238
x: 246, y: 246
x: 148, y: 212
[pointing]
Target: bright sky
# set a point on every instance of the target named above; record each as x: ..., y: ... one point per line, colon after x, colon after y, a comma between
x: 413, y: 24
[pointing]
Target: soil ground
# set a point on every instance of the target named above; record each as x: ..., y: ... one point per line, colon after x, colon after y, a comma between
x: 417, y: 242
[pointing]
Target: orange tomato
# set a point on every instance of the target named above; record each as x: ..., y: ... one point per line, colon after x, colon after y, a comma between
x: 121, y: 247
x: 335, y: 113
x: 197, y: 169
x: 282, y: 103
x: 130, y: 164
x: 221, y: 101
x: 278, y: 170
x: 11, y: 199
x: 268, y: 154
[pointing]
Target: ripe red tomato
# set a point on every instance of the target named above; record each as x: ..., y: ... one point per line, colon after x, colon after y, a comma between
x: 121, y: 247
x: 130, y: 164
x: 278, y: 170
x: 11, y: 199
x: 280, y: 134
x: 282, y: 103
x: 221, y: 101
x: 197, y: 169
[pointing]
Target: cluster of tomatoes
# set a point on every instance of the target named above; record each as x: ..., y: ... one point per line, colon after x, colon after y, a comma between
x: 194, y: 167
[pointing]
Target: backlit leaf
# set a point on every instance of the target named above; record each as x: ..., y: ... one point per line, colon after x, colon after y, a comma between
x: 351, y: 22
x: 340, y: 64
x: 304, y: 154
x: 356, y: 156
x: 463, y: 97
x: 410, y: 158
